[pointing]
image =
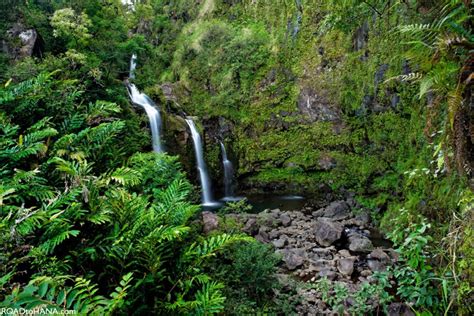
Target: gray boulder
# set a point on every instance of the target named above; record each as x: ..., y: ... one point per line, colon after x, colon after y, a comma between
x: 210, y: 222
x: 326, y: 232
x: 251, y: 227
x: 346, y: 265
x: 281, y: 242
x: 285, y: 220
x: 293, y: 258
x: 378, y: 260
x: 19, y: 42
x: 337, y: 210
x: 359, y: 243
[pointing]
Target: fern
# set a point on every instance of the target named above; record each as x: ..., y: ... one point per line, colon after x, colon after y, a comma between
x: 83, y: 297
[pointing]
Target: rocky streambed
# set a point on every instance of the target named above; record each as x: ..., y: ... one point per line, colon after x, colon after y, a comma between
x: 337, y: 242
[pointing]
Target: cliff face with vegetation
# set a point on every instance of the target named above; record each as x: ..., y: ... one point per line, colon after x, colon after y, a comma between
x: 372, y: 97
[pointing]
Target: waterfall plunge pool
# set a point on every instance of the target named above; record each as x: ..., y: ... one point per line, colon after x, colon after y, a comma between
x: 263, y: 201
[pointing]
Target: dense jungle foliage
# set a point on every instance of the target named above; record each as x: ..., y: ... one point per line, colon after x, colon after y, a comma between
x: 372, y: 97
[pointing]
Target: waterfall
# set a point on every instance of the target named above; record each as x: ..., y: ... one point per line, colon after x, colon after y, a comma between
x: 148, y: 105
x: 201, y: 165
x: 228, y: 174
x: 133, y: 65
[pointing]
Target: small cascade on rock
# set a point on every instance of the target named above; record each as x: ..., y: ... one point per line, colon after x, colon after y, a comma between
x: 201, y: 166
x: 228, y: 175
x: 148, y: 105
x: 152, y: 112
x: 133, y: 65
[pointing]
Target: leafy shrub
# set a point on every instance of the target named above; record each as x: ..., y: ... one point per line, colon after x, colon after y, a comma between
x: 248, y: 272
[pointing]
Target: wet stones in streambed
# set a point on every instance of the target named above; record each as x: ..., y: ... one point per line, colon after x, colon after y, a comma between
x: 330, y: 243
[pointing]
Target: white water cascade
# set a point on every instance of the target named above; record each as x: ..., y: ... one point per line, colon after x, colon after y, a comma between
x: 133, y: 65
x: 201, y: 166
x: 228, y: 174
x: 148, y: 105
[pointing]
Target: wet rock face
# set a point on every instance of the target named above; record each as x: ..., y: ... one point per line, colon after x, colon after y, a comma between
x: 20, y: 42
x: 316, y: 107
x: 361, y: 37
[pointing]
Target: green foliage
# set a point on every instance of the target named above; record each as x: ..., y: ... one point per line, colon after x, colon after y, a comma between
x: 82, y: 298
x: 248, y: 272
x: 80, y: 196
x: 236, y: 207
x: 368, y: 298
x: 71, y: 26
x: 70, y: 203
x: 417, y: 283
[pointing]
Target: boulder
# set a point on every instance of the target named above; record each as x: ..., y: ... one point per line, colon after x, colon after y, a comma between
x: 346, y: 265
x: 251, y: 226
x: 377, y: 266
x: 378, y: 260
x: 326, y: 232
x: 362, y: 219
x: 210, y: 222
x: 318, y: 213
x: 359, y: 243
x: 293, y: 258
x: 262, y: 235
x: 337, y: 210
x: 20, y: 42
x: 281, y: 242
x: 285, y: 220
x: 379, y: 254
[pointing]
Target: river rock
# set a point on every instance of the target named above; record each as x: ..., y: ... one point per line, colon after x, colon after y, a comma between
x: 379, y: 254
x: 359, y: 243
x: 293, y: 258
x: 326, y: 232
x: 210, y: 222
x: 378, y: 260
x: 376, y: 266
x: 329, y: 274
x: 262, y: 235
x: 285, y: 220
x: 251, y: 226
x: 318, y: 213
x: 337, y: 210
x: 281, y: 242
x: 362, y: 219
x: 346, y: 266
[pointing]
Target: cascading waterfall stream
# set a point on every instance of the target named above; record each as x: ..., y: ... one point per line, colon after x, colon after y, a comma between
x: 228, y: 174
x: 133, y: 65
x: 149, y: 106
x: 201, y: 166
